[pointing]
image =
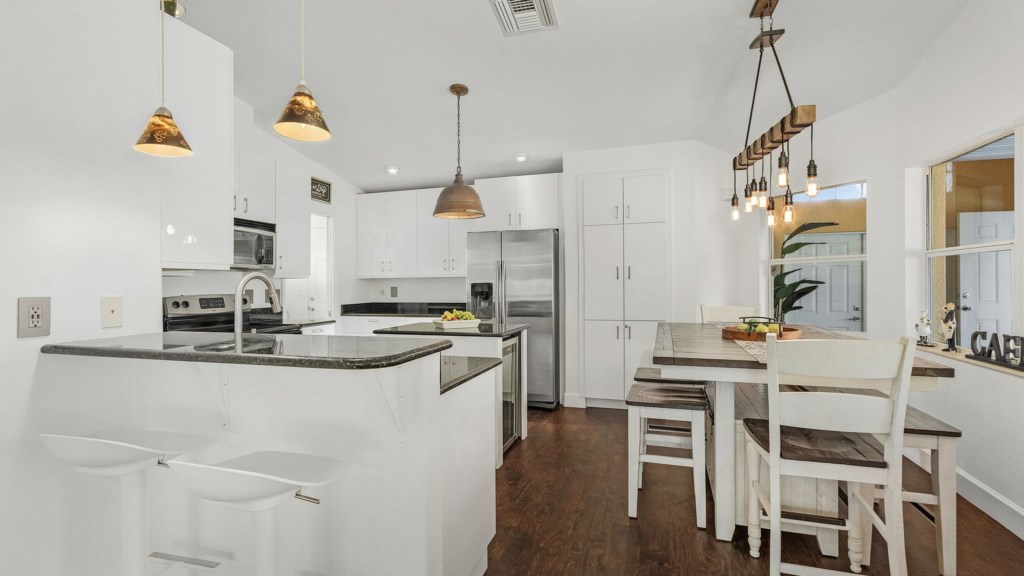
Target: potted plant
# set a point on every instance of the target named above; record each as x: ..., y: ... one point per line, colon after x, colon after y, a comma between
x: 787, y: 294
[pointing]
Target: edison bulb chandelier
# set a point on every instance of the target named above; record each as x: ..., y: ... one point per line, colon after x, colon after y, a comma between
x: 758, y: 193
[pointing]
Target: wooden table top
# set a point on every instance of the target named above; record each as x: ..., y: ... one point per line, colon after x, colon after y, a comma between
x: 693, y: 344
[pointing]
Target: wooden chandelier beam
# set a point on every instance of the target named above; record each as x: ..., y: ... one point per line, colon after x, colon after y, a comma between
x: 790, y: 125
x: 763, y: 8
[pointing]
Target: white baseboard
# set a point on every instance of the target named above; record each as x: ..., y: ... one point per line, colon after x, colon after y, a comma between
x: 601, y: 403
x: 978, y: 493
x: 574, y: 401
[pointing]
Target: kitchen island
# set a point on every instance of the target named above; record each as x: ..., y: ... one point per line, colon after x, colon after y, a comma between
x: 420, y: 495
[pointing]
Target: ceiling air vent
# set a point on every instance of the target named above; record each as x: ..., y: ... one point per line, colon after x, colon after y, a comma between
x: 520, y: 16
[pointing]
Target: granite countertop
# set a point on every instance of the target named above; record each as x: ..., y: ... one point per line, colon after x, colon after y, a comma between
x: 290, y: 350
x: 456, y: 370
x: 400, y: 308
x: 431, y: 329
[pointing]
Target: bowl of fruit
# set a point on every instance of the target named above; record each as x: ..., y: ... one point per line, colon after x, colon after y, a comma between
x: 457, y: 319
x: 758, y: 328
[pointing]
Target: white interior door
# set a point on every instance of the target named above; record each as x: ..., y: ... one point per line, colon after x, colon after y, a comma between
x: 839, y: 303
x: 603, y: 281
x: 602, y: 201
x: 986, y: 279
x: 319, y: 289
x: 646, y: 277
x: 603, y: 359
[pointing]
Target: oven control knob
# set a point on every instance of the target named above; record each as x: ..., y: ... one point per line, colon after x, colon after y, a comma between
x: 245, y: 301
x: 184, y: 304
x: 175, y: 305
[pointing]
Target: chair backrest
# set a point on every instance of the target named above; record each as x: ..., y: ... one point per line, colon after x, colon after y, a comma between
x: 725, y: 313
x: 828, y: 365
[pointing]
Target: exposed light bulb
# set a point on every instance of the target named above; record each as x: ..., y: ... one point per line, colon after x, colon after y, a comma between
x: 735, y: 213
x: 787, y: 214
x: 812, y: 179
x: 748, y: 206
x: 762, y: 201
x: 735, y: 206
x: 771, y: 212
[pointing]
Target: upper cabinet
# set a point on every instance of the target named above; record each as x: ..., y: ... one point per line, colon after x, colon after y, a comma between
x: 440, y: 242
x: 371, y: 235
x: 196, y: 197
x: 255, y: 193
x: 293, y: 235
x: 401, y: 216
x: 629, y: 200
x: 519, y: 202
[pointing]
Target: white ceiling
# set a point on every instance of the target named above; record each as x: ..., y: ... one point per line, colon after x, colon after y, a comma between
x: 616, y: 73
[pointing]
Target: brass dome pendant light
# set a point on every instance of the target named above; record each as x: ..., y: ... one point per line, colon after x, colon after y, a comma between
x: 459, y: 200
x: 161, y: 136
x: 301, y: 118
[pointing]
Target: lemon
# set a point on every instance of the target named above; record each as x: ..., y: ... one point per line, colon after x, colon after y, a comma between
x: 744, y: 327
x: 762, y: 329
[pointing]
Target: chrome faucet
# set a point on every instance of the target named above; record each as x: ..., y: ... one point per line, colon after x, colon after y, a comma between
x: 275, y: 302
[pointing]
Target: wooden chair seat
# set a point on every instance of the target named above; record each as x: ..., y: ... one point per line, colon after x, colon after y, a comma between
x: 820, y: 446
x: 662, y: 396
x: 653, y: 376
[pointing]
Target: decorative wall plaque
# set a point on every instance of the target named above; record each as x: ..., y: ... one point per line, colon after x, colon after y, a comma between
x: 1000, y: 349
x: 320, y: 190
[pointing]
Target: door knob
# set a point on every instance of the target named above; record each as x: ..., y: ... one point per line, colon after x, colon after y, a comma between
x: 965, y: 308
x: 854, y: 319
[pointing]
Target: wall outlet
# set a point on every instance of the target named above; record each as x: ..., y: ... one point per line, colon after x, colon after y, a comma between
x: 381, y: 291
x: 250, y: 295
x: 111, y: 312
x: 33, y: 317
x: 394, y: 291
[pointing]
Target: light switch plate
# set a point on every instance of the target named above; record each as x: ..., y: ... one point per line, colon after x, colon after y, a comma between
x: 394, y: 291
x: 111, y: 312
x: 33, y: 317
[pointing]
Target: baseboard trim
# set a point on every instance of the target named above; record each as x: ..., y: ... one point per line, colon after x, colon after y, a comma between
x: 978, y: 493
x: 574, y: 401
x: 602, y: 403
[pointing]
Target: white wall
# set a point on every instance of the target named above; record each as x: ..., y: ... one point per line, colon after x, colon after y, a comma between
x: 411, y: 290
x: 81, y: 212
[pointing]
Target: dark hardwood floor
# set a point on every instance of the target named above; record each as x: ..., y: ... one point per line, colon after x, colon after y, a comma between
x: 562, y: 511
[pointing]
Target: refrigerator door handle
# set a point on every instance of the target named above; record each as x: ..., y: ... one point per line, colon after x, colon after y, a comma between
x: 616, y: 272
x: 616, y: 211
x: 616, y: 331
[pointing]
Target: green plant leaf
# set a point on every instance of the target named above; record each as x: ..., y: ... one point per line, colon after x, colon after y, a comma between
x: 787, y: 250
x: 780, y: 278
x: 792, y: 299
x: 805, y: 227
x: 783, y: 292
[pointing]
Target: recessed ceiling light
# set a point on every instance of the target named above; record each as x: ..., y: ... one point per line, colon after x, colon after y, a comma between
x: 392, y: 169
x: 521, y: 156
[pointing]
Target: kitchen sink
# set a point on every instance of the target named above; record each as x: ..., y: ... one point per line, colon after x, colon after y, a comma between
x: 251, y: 344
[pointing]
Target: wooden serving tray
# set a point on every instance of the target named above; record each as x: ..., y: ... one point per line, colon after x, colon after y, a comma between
x: 732, y: 333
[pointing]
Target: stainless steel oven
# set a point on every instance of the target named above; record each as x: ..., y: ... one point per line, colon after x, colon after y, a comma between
x: 254, y: 245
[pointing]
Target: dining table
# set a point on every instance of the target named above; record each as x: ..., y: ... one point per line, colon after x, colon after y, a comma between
x: 698, y: 352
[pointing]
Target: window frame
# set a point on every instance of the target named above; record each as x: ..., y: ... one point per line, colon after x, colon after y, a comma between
x: 1015, y: 245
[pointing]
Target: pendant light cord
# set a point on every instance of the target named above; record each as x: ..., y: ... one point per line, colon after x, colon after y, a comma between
x: 458, y: 132
x: 161, y: 53
x: 302, y: 41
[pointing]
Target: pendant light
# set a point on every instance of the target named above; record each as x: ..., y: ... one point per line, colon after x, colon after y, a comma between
x: 735, y: 200
x: 783, y: 168
x: 301, y: 118
x: 762, y: 188
x: 771, y: 212
x: 748, y: 197
x: 812, y: 171
x: 787, y: 214
x: 459, y: 200
x: 161, y: 136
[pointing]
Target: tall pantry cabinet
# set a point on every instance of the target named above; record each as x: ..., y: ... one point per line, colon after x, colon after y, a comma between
x: 625, y: 277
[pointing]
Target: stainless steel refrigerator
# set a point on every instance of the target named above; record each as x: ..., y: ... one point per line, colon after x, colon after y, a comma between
x: 512, y: 278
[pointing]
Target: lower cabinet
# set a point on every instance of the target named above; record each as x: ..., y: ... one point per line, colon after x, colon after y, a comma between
x: 613, y: 350
x: 319, y: 330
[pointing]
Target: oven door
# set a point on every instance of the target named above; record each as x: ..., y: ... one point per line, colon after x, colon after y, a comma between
x: 254, y: 249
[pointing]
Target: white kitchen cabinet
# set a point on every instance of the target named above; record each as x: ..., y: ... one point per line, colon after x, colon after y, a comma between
x: 255, y: 193
x: 293, y: 236
x: 644, y: 198
x: 200, y: 93
x: 537, y: 201
x: 371, y: 235
x: 458, y: 231
x: 603, y: 359
x: 319, y: 329
x: 602, y: 201
x: 431, y: 236
x: 498, y: 196
x: 638, y: 349
x: 401, y: 221
x: 645, y: 260
x: 365, y: 325
x: 603, y: 298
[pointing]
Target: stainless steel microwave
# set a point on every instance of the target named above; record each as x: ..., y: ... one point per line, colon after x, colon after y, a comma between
x: 254, y: 245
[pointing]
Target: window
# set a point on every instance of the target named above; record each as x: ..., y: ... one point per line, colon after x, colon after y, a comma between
x: 833, y: 255
x: 971, y: 214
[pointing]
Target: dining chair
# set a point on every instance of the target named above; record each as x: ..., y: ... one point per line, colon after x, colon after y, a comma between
x: 725, y: 313
x: 830, y: 435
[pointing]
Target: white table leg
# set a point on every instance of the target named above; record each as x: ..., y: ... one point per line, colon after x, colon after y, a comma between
x: 944, y: 486
x: 725, y: 460
x: 133, y: 524
x: 633, y: 457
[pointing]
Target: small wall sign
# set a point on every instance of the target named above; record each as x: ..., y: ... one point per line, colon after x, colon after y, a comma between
x: 1000, y: 349
x: 320, y: 190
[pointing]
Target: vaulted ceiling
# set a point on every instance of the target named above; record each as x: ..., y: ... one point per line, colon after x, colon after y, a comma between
x: 615, y: 73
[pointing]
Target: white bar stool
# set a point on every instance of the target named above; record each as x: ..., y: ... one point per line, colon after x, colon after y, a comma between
x: 259, y: 482
x: 128, y: 453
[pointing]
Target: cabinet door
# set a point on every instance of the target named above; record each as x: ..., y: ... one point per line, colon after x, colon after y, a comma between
x: 431, y: 236
x: 255, y: 198
x: 457, y: 236
x: 644, y: 255
x: 603, y: 360
x: 645, y: 198
x: 498, y: 195
x: 602, y: 246
x: 537, y: 201
x: 195, y: 199
x: 639, y: 349
x: 401, y: 210
x: 293, y: 237
x: 371, y: 234
x: 602, y: 201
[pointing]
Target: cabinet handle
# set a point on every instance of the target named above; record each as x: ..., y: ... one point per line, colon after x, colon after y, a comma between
x: 520, y: 219
x: 444, y: 265
x: 616, y: 332
x: 234, y: 203
x: 510, y: 220
x: 616, y: 211
x: 381, y: 265
x: 246, y: 201
x: 389, y: 266
x: 629, y: 332
x: 616, y: 272
x: 452, y: 265
x: 627, y: 211
x: 629, y: 272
